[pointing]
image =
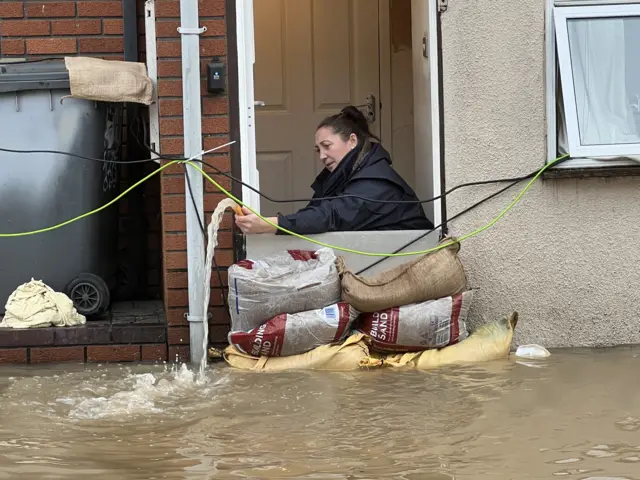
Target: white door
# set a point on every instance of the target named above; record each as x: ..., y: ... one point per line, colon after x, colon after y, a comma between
x: 425, y: 104
x: 312, y: 57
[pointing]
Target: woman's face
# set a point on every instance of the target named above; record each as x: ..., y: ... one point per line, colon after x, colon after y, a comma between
x: 332, y: 148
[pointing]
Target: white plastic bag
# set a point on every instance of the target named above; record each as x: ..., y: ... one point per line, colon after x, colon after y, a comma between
x: 289, y: 282
x: 418, y: 326
x: 292, y: 334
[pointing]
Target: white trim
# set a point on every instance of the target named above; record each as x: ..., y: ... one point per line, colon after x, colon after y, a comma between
x: 246, y: 60
x: 434, y: 72
x: 152, y: 72
x: 550, y: 80
x: 385, y: 65
x: 561, y: 17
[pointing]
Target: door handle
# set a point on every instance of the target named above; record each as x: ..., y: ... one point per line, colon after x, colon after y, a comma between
x: 258, y: 103
x: 370, y: 105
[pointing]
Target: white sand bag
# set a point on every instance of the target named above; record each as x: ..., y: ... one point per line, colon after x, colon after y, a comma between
x: 35, y: 304
x: 295, y: 333
x: 289, y: 282
x: 418, y: 326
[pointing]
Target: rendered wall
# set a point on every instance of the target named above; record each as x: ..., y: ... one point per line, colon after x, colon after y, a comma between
x: 566, y: 256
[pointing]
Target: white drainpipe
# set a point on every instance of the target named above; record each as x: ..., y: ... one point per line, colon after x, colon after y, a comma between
x: 190, y: 33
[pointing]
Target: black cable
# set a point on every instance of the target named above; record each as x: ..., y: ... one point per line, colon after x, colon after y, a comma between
x: 408, y: 244
x: 231, y: 177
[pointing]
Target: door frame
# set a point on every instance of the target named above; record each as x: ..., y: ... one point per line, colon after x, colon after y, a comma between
x: 245, y: 45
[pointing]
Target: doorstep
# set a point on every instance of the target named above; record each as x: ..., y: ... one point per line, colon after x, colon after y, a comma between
x: 131, y: 331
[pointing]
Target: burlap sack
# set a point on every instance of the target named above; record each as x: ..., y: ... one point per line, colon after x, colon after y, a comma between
x: 488, y: 343
x: 109, y: 81
x: 343, y: 357
x: 435, y: 275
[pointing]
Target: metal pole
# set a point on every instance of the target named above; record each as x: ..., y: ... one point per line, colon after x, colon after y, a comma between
x: 190, y: 34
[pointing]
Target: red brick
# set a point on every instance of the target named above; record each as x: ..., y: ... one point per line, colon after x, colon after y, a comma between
x: 180, y: 298
x: 176, y: 203
x: 173, y: 185
x: 12, y: 47
x: 212, y: 125
x: 169, y: 88
x: 170, y: 68
x: 174, y: 223
x: 178, y: 335
x: 101, y: 45
x: 11, y: 10
x: 169, y: 48
x: 51, y: 9
x: 172, y: 146
x: 215, y: 106
x: 176, y: 317
x: 25, y: 28
x: 167, y: 8
x: 113, y: 27
x: 211, y: 8
x: 179, y: 353
x: 76, y: 27
x: 171, y: 126
x: 224, y: 182
x: 175, y: 261
x: 178, y: 280
x: 100, y: 9
x: 113, y: 353
x: 47, y: 46
x: 213, y: 142
x: 13, y: 355
x: 170, y: 107
x: 221, y: 162
x: 57, y: 355
x: 213, y: 47
x: 154, y: 353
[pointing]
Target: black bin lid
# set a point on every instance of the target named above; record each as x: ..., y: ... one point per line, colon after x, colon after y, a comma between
x: 44, y: 75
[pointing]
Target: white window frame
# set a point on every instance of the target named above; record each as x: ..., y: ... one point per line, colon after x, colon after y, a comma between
x: 558, y: 13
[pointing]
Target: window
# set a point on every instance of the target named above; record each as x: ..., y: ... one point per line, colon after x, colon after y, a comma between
x: 594, y: 83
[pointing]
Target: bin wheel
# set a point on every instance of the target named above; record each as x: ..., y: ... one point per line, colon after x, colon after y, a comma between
x: 89, y: 294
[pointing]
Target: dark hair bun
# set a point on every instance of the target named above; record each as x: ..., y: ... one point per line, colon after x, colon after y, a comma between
x: 353, y: 114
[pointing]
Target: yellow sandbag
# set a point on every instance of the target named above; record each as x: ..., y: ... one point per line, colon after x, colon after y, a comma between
x: 489, y: 342
x: 343, y: 357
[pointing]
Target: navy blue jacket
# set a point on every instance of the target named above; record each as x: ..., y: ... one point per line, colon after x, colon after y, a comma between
x: 372, y: 178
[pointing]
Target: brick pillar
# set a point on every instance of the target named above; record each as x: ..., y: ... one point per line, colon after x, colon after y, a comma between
x: 215, y: 131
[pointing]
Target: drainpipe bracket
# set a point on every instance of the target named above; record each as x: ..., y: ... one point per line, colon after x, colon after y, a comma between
x: 191, y: 31
x: 195, y: 319
x: 443, y: 5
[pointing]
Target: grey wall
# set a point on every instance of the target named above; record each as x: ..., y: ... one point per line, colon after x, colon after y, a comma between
x: 567, y: 256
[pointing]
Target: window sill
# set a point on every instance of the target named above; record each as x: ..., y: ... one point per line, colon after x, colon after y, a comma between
x: 590, y: 168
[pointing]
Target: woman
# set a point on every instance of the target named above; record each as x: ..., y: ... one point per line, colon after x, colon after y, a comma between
x: 355, y: 164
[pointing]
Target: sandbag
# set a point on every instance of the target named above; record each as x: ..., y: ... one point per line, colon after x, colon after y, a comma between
x: 289, y: 282
x: 435, y: 275
x: 489, y: 342
x: 292, y: 334
x: 418, y: 326
x: 343, y: 357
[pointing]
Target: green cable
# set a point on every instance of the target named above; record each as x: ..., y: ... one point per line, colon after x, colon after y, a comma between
x: 92, y: 212
x: 302, y: 237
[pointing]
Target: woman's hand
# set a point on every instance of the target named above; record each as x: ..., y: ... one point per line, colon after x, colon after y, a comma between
x: 251, y: 224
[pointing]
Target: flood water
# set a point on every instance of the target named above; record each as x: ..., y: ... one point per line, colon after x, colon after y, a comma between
x: 575, y: 415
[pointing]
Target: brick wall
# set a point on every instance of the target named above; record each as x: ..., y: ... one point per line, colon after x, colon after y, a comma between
x: 215, y: 131
x: 45, y: 28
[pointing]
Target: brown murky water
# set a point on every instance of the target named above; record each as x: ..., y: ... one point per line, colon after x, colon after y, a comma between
x: 575, y: 415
